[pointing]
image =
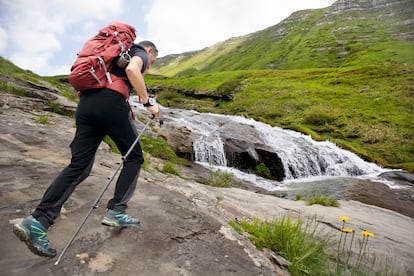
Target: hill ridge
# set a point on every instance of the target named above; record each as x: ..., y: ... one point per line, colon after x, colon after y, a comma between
x: 339, y: 35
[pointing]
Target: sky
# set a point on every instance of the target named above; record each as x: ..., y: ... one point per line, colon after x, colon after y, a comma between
x: 44, y: 36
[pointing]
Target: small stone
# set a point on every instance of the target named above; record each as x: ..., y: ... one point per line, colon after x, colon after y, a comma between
x: 15, y: 221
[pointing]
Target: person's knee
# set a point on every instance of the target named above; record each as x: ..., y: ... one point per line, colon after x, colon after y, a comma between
x: 135, y: 158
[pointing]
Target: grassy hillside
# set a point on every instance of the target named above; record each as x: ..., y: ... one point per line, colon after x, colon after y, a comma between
x: 337, y: 36
x: 369, y: 109
x: 343, y: 73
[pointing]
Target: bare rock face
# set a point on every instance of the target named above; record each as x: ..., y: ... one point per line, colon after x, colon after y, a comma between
x: 245, y: 150
x: 398, y: 12
x: 177, y: 236
x: 180, y: 139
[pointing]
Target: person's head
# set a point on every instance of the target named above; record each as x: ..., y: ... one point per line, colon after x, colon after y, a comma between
x: 151, y: 50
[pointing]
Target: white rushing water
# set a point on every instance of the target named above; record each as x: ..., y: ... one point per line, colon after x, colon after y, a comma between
x: 302, y: 157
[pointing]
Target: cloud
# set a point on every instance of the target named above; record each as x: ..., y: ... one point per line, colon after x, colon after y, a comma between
x: 44, y: 36
x: 37, y: 31
x: 3, y: 39
x: 184, y: 25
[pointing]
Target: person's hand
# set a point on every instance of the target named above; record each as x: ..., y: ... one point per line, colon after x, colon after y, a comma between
x: 155, y: 110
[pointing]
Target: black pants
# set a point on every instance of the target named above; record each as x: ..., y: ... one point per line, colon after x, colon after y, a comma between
x: 99, y: 113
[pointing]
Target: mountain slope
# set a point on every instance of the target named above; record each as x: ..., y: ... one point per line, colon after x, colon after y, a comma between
x: 351, y: 32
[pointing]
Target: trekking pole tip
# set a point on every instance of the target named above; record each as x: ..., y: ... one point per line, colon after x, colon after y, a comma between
x: 59, y: 258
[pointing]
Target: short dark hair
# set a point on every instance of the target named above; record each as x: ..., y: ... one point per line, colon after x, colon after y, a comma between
x: 149, y: 44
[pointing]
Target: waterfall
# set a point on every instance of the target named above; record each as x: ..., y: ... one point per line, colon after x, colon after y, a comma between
x: 209, y: 148
x: 301, y: 156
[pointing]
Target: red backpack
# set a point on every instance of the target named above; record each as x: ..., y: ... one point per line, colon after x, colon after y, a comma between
x: 92, y: 66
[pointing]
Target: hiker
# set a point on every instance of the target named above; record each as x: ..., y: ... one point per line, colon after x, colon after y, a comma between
x: 100, y: 112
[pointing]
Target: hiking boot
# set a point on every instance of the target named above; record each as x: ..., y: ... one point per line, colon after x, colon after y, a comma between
x: 118, y: 219
x: 34, y: 234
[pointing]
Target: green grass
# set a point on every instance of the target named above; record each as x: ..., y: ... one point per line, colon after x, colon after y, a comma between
x: 323, y: 200
x: 294, y: 240
x: 60, y: 82
x: 263, y: 171
x: 8, y: 68
x: 6, y: 87
x: 155, y: 146
x: 42, y: 119
x: 111, y: 144
x: 307, y: 39
x: 170, y: 168
x: 365, y: 109
x: 158, y: 147
x: 310, y: 251
x: 218, y: 178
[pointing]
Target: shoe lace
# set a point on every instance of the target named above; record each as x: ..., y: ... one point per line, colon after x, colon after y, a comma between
x: 41, y: 235
x: 124, y: 218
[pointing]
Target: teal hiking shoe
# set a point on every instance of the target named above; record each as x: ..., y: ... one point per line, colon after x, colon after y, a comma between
x: 34, y: 234
x: 118, y: 219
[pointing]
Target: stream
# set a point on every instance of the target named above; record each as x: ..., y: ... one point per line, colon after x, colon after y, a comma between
x: 310, y: 166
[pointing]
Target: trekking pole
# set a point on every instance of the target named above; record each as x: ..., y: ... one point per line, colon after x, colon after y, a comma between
x: 95, y: 204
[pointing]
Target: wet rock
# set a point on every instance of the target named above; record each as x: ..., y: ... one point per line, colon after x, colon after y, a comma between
x: 400, y: 177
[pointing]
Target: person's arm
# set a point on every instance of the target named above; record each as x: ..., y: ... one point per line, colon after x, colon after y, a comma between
x: 133, y: 71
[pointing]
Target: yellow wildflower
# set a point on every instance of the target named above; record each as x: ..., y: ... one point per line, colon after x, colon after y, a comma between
x: 347, y: 230
x: 343, y: 218
x: 367, y: 234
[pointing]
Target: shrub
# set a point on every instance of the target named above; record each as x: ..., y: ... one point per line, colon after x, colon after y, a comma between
x: 217, y: 178
x: 42, y: 119
x: 294, y: 240
x: 320, y: 115
x: 158, y: 147
x: 111, y: 144
x: 147, y: 162
x: 323, y: 200
x: 298, y: 197
x: 262, y: 170
x: 6, y: 87
x: 170, y: 168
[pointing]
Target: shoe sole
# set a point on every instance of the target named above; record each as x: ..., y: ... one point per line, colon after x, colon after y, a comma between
x: 116, y: 224
x: 22, y: 235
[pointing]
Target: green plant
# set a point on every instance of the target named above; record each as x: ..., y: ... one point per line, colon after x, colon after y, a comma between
x: 363, y: 263
x: 320, y: 115
x: 42, y: 119
x: 147, y: 162
x: 60, y: 109
x: 217, y: 178
x: 236, y: 227
x: 111, y: 144
x: 295, y: 240
x: 306, y: 248
x: 6, y: 87
x: 158, y: 147
x: 170, y: 168
x: 262, y: 170
x: 323, y: 200
x: 298, y: 197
